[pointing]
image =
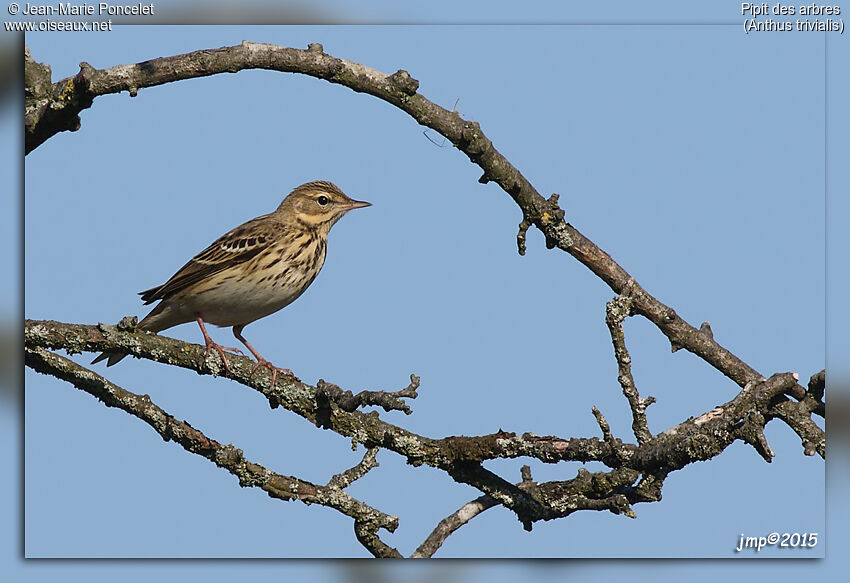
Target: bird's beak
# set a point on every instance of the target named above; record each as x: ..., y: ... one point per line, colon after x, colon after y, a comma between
x: 357, y: 204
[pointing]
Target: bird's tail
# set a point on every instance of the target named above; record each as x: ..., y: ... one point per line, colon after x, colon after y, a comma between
x: 116, y: 357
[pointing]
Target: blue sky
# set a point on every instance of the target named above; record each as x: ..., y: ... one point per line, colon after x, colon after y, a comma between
x: 685, y: 152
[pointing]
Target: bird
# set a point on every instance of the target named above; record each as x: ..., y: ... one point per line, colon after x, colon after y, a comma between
x: 250, y: 272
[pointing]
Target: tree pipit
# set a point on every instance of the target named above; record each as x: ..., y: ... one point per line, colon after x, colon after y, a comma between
x: 254, y: 270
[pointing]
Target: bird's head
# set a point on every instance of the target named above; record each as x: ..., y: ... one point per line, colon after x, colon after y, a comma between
x: 317, y: 205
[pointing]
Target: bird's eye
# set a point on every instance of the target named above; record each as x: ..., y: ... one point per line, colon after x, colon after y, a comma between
x: 323, y: 200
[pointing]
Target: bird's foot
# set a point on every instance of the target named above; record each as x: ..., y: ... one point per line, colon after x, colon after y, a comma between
x: 263, y: 362
x: 222, y: 350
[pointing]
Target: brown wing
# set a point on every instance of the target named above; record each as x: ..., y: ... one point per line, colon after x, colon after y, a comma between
x: 237, y: 246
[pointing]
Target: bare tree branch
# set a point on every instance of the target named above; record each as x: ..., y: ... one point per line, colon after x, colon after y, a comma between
x: 367, y: 534
x: 390, y: 401
x: 450, y: 524
x: 613, y: 443
x: 451, y: 454
x: 370, y: 430
x: 345, y: 479
x: 225, y: 456
x: 459, y: 517
x: 798, y: 415
x: 704, y: 437
x: 695, y: 439
x: 615, y: 312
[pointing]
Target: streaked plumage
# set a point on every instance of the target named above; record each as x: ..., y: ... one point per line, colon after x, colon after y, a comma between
x: 252, y: 271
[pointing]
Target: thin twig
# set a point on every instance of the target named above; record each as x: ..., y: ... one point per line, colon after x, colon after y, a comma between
x: 608, y: 436
x: 615, y: 312
x: 389, y: 400
x: 344, y: 480
x: 450, y: 524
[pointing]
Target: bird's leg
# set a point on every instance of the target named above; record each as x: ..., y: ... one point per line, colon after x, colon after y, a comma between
x: 237, y: 331
x: 217, y: 347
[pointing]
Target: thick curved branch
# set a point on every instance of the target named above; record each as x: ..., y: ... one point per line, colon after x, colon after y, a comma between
x: 54, y: 107
x: 225, y: 456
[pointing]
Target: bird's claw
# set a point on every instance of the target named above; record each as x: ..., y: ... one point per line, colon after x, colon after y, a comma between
x: 271, y: 367
x: 222, y: 350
